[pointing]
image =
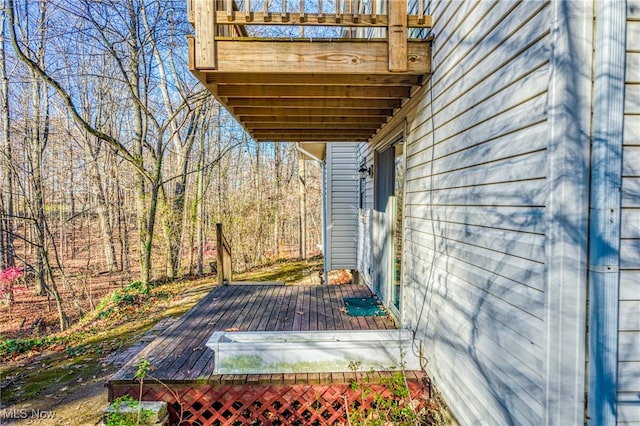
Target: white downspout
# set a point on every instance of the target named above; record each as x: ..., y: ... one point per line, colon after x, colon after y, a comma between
x: 605, y: 216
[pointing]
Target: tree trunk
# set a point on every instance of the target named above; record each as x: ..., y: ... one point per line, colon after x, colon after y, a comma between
x: 200, y: 209
x: 123, y: 232
x: 278, y: 200
x: 145, y: 273
x: 303, y: 207
x: 38, y: 140
x: 102, y: 210
x: 7, y: 249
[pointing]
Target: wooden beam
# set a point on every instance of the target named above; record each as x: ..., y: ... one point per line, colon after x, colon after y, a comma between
x: 275, y: 120
x: 308, y: 92
x: 311, y: 138
x: 283, y: 56
x: 315, y: 19
x: 314, y: 103
x: 342, y: 132
x: 330, y: 112
x: 397, y: 34
x: 257, y: 126
x: 205, y: 23
x: 257, y: 78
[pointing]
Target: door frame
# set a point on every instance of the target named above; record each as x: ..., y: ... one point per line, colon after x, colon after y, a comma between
x: 384, y: 191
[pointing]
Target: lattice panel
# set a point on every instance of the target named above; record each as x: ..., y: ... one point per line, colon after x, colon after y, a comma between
x: 265, y: 404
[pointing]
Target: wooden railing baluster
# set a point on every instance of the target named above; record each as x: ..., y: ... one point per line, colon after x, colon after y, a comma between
x: 355, y: 11
x: 348, y: 13
x: 230, y: 10
x: 374, y: 11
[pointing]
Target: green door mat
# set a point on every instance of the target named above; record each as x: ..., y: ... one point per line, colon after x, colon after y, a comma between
x: 364, y: 307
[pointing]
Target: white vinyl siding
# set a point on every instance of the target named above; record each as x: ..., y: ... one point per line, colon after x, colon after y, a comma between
x: 496, y: 220
x: 365, y: 221
x: 476, y: 193
x: 342, y: 208
x: 629, y: 334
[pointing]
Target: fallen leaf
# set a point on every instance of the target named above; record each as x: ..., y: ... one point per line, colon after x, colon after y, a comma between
x: 300, y: 312
x: 344, y: 310
x: 197, y: 348
x: 231, y: 329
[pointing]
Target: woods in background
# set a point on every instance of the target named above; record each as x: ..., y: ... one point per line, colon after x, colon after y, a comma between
x: 113, y: 157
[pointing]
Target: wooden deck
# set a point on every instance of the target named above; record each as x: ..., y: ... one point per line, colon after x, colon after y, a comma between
x: 179, y: 354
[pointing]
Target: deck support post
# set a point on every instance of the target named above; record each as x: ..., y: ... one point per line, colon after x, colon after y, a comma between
x: 224, y: 257
x: 397, y: 34
x: 205, y: 23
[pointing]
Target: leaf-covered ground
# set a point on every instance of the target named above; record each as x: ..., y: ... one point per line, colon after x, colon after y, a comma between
x: 59, y: 379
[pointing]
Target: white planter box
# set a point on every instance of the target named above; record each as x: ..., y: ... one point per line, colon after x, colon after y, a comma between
x: 312, y: 351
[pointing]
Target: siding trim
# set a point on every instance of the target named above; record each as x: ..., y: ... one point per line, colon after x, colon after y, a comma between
x: 605, y: 215
x: 328, y: 258
x: 567, y: 215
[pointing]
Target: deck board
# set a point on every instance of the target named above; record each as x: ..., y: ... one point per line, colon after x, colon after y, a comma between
x: 192, y: 347
x: 179, y: 353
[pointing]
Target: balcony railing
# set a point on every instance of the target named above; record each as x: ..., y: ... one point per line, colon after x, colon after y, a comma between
x: 371, y: 13
x: 213, y: 18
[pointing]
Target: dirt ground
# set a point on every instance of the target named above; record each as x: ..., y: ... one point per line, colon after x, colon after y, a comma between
x: 82, y: 406
x: 36, y: 316
x: 81, y: 397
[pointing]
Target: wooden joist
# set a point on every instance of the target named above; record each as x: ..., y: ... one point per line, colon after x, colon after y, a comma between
x: 315, y: 103
x: 310, y: 137
x: 280, y: 121
x: 316, y: 112
x: 352, y: 125
x: 313, y: 92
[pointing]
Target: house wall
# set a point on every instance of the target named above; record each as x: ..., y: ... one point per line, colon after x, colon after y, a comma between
x: 475, y: 212
x: 342, y: 208
x: 496, y: 209
x: 629, y: 334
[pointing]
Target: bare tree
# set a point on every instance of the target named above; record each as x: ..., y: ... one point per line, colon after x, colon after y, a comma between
x: 151, y: 135
x: 7, y: 249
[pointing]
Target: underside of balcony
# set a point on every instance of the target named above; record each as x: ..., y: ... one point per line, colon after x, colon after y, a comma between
x: 304, y: 89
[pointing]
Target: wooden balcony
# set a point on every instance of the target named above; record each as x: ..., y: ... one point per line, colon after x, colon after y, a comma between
x: 302, y: 89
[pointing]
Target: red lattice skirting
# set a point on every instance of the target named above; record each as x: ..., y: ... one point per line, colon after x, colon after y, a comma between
x: 265, y: 404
